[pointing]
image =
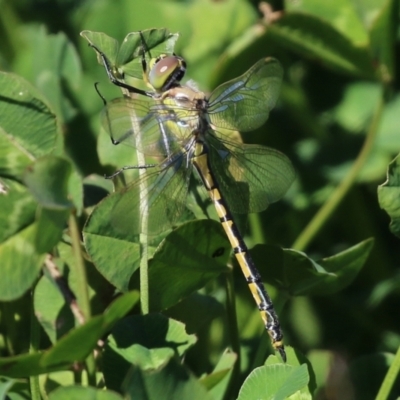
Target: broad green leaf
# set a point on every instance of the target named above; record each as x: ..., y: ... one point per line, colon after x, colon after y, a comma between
x: 389, y: 195
x: 101, y: 292
x: 225, y: 21
x: 341, y: 14
x: 17, y: 208
x: 52, y: 64
x: 117, y: 156
x: 185, y: 261
x: 207, y: 308
x: 51, y: 309
x: 20, y: 263
x: 313, y: 38
x: 108, y: 45
x: 127, y: 58
x: 188, y: 258
x: 148, y: 342
x: 383, y: 38
x: 295, y: 359
x: 170, y: 382
x: 77, y: 344
x: 54, y: 183
x: 276, y: 382
x: 116, y: 256
x: 83, y: 393
x: 48, y: 180
x: 359, y: 101
x: 27, y: 126
x: 157, y: 42
x: 217, y: 381
x: 300, y: 275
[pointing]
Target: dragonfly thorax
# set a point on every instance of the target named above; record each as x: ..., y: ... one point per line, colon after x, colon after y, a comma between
x: 165, y: 72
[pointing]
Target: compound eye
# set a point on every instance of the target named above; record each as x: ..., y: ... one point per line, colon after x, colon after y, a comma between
x: 166, y: 72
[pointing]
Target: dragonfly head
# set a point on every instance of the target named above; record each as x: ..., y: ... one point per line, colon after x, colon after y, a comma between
x: 165, y: 72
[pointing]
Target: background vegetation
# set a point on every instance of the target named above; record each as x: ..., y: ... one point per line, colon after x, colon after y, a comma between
x: 337, y: 120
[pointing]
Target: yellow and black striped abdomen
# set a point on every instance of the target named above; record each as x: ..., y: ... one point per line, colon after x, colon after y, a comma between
x: 253, y: 278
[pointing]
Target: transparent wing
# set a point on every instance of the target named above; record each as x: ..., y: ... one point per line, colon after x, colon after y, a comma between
x: 146, y: 124
x: 161, y: 207
x: 250, y: 177
x: 244, y: 103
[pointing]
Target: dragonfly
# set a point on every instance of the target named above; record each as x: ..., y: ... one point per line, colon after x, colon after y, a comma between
x: 184, y: 131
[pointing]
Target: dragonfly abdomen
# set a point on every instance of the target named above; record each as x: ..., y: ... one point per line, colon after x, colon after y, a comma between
x: 246, y: 263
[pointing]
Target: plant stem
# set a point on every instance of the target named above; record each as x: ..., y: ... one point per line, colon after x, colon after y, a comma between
x: 390, y: 378
x: 82, y: 288
x: 143, y: 215
x: 33, y: 348
x: 233, y: 331
x: 334, y: 200
x: 144, y: 275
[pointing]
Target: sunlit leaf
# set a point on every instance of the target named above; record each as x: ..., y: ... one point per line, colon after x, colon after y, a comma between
x: 389, y: 195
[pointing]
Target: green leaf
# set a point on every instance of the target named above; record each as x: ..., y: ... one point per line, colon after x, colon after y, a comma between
x: 313, y: 38
x: 5, y: 385
x: 115, y: 255
x: 127, y: 59
x: 25, y: 365
x: 17, y: 208
x: 83, y: 393
x: 207, y: 308
x: 108, y: 45
x: 27, y: 126
x: 340, y: 14
x: 218, y: 380
x: 225, y: 21
x: 188, y: 258
x: 276, y: 382
x: 389, y: 195
x: 51, y: 310
x: 300, y: 275
x: 20, y: 263
x: 52, y: 64
x: 75, y: 346
x: 170, y: 382
x: 48, y: 180
x: 157, y: 42
x: 383, y: 38
x: 148, y: 342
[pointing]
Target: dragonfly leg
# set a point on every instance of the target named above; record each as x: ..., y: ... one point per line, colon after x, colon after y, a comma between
x: 98, y: 92
x: 146, y: 166
x: 145, y: 50
x: 112, y: 77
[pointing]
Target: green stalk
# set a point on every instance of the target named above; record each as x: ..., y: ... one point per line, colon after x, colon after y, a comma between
x: 326, y: 211
x: 390, y: 378
x: 143, y: 238
x: 233, y: 331
x: 33, y: 348
x: 82, y: 288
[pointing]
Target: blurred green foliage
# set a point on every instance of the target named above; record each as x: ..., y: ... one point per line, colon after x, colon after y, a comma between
x: 337, y: 120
